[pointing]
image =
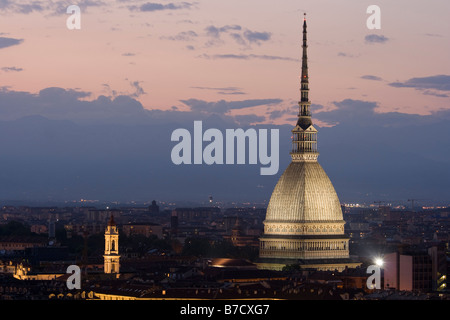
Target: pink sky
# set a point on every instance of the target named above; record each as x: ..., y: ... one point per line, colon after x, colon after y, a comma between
x: 172, y: 58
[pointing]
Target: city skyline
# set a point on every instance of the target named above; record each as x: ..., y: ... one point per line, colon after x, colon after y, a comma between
x: 87, y: 114
x: 169, y: 150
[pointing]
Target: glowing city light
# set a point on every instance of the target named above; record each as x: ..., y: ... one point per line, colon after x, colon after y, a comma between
x: 379, y: 262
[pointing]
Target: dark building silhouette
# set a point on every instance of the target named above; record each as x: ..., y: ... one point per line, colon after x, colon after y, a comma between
x: 153, y: 208
x: 174, y: 224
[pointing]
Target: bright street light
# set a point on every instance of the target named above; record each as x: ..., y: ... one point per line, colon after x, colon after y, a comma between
x: 379, y: 262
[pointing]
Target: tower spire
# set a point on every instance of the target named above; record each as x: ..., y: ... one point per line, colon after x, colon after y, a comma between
x: 304, y: 80
x: 304, y: 112
x: 304, y: 143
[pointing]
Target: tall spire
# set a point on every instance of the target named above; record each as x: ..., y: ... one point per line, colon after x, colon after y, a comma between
x: 304, y: 80
x: 304, y: 113
x: 304, y: 140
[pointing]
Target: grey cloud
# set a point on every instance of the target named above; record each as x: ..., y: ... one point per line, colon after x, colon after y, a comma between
x: 13, y: 69
x: 215, y: 32
x: 248, y: 119
x: 60, y: 7
x: 363, y: 113
x: 66, y: 104
x: 53, y: 7
x: 45, y: 159
x: 348, y: 111
x: 432, y: 93
x: 244, y: 38
x: 60, y: 94
x: 371, y: 77
x: 5, y: 4
x: 347, y: 55
x: 438, y: 82
x: 182, y: 36
x: 152, y: 6
x: 223, y: 90
x: 138, y: 89
x: 238, y: 38
x: 374, y: 38
x: 186, y: 21
x: 223, y: 106
x: 29, y: 8
x: 257, y: 36
x: 16, y: 7
x: 246, y: 57
x: 276, y: 114
x: 8, y: 42
x: 231, y: 92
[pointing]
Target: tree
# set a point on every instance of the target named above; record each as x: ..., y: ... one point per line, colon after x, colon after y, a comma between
x: 15, y: 228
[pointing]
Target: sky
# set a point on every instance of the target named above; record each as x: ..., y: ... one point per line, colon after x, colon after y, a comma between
x: 161, y: 62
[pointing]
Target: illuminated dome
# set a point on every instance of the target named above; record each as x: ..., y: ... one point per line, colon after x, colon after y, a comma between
x: 304, y: 223
x: 304, y: 193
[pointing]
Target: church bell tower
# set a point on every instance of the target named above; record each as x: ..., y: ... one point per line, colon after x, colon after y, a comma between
x: 111, y: 256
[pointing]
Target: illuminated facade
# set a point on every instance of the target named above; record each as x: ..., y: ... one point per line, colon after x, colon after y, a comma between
x: 111, y: 256
x: 304, y: 223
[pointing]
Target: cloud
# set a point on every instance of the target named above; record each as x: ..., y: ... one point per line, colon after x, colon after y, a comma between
x: 238, y: 38
x: 222, y: 106
x: 245, y: 38
x: 346, y: 55
x: 5, y: 3
x: 53, y: 159
x: 371, y: 77
x: 152, y: 6
x: 223, y: 90
x: 62, y: 95
x: 182, y: 36
x: 69, y: 104
x: 432, y: 93
x: 438, y: 82
x: 374, y: 38
x: 11, y: 69
x: 276, y: 114
x: 246, y: 57
x: 348, y: 111
x: 248, y: 119
x: 231, y: 92
x: 53, y: 7
x: 29, y: 8
x: 8, y: 42
x: 256, y: 37
x: 10, y: 6
x: 112, y: 108
x: 138, y: 89
x: 363, y: 113
x: 215, y: 32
